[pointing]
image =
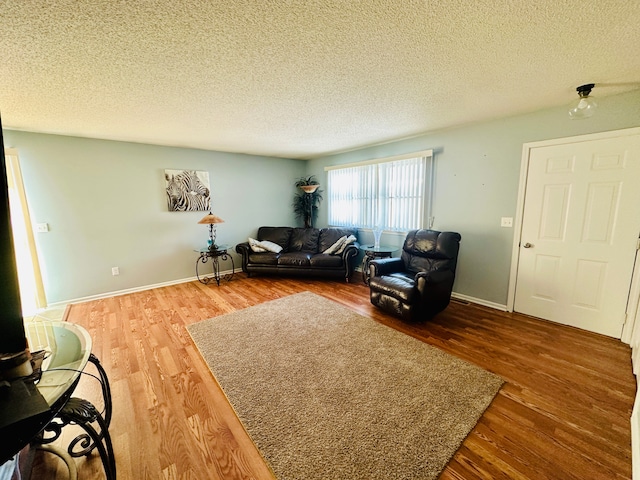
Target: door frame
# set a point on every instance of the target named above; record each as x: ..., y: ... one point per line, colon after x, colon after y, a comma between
x: 524, y: 169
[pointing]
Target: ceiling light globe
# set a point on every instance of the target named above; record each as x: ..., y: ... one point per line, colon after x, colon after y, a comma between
x: 585, y: 105
x: 583, y: 108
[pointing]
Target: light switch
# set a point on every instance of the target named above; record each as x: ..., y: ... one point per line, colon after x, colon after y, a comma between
x: 42, y: 227
x: 506, y: 222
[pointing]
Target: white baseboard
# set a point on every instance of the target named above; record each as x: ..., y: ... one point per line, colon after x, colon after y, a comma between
x: 479, y: 301
x: 457, y: 296
x: 128, y: 290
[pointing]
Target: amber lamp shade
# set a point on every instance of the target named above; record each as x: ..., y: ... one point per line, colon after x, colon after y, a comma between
x: 211, y: 220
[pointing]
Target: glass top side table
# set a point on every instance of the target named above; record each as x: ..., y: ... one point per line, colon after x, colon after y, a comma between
x: 215, y: 253
x: 371, y: 252
x: 69, y: 351
x: 69, y: 346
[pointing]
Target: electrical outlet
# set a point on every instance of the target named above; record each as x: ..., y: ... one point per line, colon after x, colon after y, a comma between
x: 506, y: 222
x: 42, y: 227
x: 115, y: 271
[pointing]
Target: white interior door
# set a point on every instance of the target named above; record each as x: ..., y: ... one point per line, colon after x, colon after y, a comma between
x: 580, y: 227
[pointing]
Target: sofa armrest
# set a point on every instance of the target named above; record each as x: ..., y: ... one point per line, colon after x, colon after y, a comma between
x: 349, y: 255
x: 350, y: 251
x: 385, y: 266
x: 244, y: 250
x: 243, y: 247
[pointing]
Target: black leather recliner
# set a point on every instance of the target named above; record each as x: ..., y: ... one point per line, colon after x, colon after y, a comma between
x: 417, y: 285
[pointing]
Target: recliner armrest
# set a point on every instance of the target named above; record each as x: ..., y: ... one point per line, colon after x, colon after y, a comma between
x: 433, y: 278
x: 385, y: 266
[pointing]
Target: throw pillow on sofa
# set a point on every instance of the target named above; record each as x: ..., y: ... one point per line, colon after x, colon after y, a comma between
x: 264, y: 246
x: 348, y: 241
x: 333, y: 249
x: 255, y: 245
x: 270, y: 246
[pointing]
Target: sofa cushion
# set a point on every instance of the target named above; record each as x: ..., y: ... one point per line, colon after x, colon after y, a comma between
x: 320, y: 260
x: 304, y: 240
x: 396, y: 285
x: 329, y: 236
x: 263, y: 258
x: 296, y: 259
x: 279, y: 235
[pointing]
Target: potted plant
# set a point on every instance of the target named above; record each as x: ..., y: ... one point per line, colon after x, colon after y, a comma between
x: 305, y: 204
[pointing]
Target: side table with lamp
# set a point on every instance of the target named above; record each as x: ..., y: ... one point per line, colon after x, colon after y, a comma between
x: 214, y: 252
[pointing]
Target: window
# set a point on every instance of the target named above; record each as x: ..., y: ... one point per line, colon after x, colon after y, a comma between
x: 389, y: 193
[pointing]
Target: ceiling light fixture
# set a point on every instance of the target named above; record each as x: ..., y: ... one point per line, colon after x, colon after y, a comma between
x: 586, y: 105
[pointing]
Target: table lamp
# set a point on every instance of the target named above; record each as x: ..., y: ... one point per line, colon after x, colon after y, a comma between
x: 211, y: 220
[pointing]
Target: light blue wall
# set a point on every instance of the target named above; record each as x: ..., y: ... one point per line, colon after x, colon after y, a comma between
x: 105, y: 201
x: 477, y: 170
x: 106, y: 206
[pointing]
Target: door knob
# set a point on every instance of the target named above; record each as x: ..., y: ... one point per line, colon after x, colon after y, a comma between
x: 527, y: 245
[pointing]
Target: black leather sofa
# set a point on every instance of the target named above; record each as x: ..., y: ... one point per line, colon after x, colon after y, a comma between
x: 418, y: 284
x: 301, y: 253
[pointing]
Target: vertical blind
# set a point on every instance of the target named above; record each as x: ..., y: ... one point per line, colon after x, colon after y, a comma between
x: 384, y: 194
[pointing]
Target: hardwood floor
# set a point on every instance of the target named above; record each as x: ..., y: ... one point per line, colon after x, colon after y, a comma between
x: 563, y: 412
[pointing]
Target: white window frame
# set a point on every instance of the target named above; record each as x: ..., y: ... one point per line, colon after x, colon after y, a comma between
x: 372, y: 184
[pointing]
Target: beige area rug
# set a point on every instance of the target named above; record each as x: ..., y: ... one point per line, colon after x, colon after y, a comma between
x: 326, y: 393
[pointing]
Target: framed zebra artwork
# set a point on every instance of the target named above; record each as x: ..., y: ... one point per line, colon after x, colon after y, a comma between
x: 187, y: 190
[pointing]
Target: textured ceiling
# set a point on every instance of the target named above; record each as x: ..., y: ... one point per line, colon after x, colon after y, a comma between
x: 302, y: 78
